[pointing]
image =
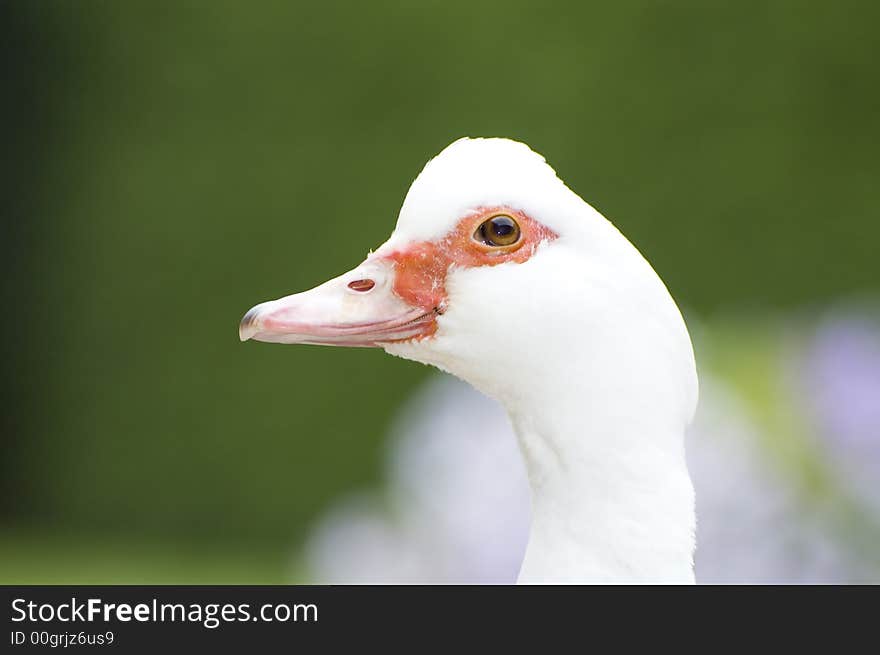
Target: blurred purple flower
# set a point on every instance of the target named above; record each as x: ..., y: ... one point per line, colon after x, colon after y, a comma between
x: 842, y: 383
x: 843, y: 377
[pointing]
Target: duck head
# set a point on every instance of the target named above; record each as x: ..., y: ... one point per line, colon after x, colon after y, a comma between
x: 500, y: 274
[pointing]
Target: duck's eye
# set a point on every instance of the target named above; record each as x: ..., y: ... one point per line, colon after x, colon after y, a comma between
x: 499, y: 230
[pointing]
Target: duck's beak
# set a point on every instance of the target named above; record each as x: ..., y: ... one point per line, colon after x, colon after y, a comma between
x: 359, y: 308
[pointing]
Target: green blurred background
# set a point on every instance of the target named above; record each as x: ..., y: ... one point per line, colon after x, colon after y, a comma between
x: 170, y: 164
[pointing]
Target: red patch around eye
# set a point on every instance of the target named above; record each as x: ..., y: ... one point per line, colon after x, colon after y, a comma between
x: 420, y: 269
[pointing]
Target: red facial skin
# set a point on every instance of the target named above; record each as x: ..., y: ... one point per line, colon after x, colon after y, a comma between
x: 420, y: 269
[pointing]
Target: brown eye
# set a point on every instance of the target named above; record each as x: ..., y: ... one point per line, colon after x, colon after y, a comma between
x: 499, y: 230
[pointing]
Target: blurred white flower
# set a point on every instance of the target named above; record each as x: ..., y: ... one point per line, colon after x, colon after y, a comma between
x: 458, y: 500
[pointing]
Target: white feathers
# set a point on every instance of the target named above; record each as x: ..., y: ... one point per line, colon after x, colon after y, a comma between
x: 473, y: 173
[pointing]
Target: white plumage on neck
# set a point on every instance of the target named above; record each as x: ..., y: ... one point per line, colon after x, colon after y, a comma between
x: 610, y: 502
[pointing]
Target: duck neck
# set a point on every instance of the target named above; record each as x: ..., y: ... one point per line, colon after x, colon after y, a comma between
x: 612, y: 501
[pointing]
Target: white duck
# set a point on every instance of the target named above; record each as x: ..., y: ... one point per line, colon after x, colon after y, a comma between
x: 499, y: 274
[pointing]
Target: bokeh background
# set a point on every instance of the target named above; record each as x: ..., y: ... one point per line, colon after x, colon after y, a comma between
x: 168, y: 164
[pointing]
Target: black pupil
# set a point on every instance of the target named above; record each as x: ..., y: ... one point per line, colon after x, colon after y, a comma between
x: 502, y: 227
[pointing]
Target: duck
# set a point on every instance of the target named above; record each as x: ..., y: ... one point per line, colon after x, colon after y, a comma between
x: 499, y: 274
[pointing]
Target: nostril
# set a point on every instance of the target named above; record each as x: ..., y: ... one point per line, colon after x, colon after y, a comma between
x: 361, y: 285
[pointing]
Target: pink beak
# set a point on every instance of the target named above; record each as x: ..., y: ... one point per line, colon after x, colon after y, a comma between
x: 358, y: 309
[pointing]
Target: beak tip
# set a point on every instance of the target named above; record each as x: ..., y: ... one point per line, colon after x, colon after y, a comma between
x: 249, y: 325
